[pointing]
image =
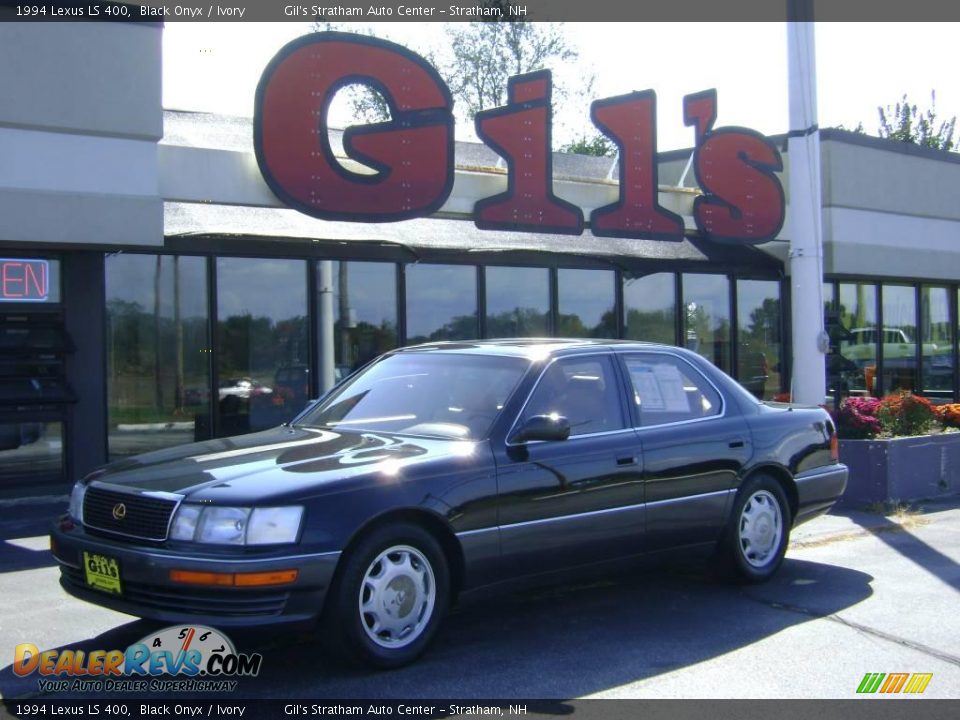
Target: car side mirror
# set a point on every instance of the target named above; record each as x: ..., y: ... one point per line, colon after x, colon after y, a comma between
x: 542, y: 427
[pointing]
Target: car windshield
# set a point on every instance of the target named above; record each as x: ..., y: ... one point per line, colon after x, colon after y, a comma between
x: 446, y: 395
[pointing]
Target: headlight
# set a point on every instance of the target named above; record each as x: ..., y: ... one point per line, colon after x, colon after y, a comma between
x: 75, y: 509
x: 223, y: 525
x: 236, y: 525
x: 274, y: 525
x: 185, y: 522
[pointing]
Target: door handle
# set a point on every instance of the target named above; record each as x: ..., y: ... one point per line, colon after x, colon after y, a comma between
x: 736, y: 443
x: 625, y: 461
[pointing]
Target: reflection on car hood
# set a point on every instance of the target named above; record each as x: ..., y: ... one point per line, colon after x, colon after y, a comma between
x: 280, y: 462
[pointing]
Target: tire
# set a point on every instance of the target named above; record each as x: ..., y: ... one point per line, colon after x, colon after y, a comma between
x: 758, y: 532
x: 390, y: 598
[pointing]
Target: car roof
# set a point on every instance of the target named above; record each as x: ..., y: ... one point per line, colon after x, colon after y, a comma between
x: 530, y: 347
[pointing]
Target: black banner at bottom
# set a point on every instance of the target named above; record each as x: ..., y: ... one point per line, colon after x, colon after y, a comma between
x: 861, y: 709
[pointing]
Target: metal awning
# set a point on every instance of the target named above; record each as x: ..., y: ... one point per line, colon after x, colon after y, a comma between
x: 257, y: 230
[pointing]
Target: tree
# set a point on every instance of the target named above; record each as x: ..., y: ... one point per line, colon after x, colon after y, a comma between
x: 904, y: 123
x: 476, y: 59
x: 597, y: 145
x: 483, y: 55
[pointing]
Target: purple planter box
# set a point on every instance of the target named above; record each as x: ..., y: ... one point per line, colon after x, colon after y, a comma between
x: 910, y: 468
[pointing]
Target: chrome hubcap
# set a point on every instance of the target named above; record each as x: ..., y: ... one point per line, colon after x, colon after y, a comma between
x: 397, y: 596
x: 761, y: 528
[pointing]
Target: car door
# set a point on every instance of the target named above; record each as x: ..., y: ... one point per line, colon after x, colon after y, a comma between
x: 575, y: 501
x: 694, y: 446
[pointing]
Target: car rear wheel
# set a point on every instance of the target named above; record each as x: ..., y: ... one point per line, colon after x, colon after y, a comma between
x: 386, y: 605
x: 759, y: 531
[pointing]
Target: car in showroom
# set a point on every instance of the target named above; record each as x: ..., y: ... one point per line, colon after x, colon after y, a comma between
x: 447, y: 468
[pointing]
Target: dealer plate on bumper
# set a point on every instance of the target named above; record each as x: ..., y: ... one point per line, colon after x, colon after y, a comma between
x: 102, y: 573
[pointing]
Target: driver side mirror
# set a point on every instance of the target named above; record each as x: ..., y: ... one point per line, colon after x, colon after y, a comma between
x: 542, y: 427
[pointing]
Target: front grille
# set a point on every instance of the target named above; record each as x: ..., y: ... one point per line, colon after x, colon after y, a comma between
x: 186, y: 601
x: 142, y: 517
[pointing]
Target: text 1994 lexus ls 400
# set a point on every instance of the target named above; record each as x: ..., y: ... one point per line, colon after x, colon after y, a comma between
x: 445, y: 468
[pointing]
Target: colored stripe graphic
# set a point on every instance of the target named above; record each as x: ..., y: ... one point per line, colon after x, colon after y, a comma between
x: 918, y: 683
x: 894, y: 683
x: 870, y: 682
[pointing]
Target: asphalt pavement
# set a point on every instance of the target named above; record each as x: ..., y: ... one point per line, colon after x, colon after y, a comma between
x: 859, y: 592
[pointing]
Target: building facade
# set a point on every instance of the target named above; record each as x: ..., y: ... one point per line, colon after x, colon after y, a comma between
x: 154, y: 291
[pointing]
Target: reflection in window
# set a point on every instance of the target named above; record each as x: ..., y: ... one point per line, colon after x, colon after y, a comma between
x: 583, y: 390
x: 365, y: 308
x: 449, y: 396
x: 936, y: 345
x: 857, y: 315
x: 706, y: 301
x: 262, y: 339
x: 31, y: 450
x: 518, y: 302
x: 758, y: 337
x: 441, y: 303
x: 650, y: 307
x: 899, y: 338
x: 157, y: 352
x: 586, y: 303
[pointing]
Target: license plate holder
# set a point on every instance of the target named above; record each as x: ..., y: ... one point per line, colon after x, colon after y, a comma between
x: 102, y: 573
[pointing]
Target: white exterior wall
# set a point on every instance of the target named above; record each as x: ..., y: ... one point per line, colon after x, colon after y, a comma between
x: 80, y: 119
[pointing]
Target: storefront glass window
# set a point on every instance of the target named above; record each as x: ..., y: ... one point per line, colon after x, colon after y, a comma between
x: 262, y: 341
x: 936, y: 345
x: 650, y: 308
x: 758, y: 337
x: 157, y: 352
x: 441, y: 303
x: 899, y: 338
x: 365, y: 312
x: 586, y: 303
x: 518, y: 302
x: 31, y: 450
x: 857, y: 315
x: 706, y: 303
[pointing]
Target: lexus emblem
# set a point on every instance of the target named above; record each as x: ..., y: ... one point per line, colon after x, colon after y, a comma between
x: 119, y: 511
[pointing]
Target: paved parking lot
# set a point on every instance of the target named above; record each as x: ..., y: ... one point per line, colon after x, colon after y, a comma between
x: 860, y: 592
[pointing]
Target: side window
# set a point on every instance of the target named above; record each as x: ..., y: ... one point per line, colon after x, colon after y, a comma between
x: 667, y: 389
x: 583, y: 390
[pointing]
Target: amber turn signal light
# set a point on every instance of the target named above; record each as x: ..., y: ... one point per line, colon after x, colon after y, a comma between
x: 277, y: 577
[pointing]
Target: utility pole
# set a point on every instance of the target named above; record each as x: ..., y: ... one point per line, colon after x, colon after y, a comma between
x: 810, y: 342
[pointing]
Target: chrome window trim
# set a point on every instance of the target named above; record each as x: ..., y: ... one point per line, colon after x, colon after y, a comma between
x: 603, y: 511
x: 723, y: 399
x: 536, y: 385
x: 155, y: 494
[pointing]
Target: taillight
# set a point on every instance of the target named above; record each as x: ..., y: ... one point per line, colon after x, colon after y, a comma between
x: 834, y: 447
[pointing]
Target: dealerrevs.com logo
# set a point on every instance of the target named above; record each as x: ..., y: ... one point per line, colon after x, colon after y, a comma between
x: 203, y: 655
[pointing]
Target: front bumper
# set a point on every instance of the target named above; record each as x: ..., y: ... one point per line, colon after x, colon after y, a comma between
x: 819, y: 489
x: 148, y: 591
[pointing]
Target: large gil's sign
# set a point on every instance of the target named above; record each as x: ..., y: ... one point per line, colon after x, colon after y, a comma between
x: 413, y: 152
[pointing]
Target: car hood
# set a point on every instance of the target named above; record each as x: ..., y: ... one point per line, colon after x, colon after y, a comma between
x: 281, y: 462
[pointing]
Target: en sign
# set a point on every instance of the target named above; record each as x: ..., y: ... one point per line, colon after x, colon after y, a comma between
x: 24, y: 280
x: 413, y: 152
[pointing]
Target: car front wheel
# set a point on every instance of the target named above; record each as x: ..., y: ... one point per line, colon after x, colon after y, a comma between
x: 389, y: 600
x: 759, y: 531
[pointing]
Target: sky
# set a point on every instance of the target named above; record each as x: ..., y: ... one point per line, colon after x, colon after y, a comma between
x: 215, y: 67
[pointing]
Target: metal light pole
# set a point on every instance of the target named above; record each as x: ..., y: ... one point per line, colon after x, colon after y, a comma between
x: 810, y: 342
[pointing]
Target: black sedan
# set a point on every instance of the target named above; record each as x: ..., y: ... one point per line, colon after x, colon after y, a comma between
x: 447, y: 468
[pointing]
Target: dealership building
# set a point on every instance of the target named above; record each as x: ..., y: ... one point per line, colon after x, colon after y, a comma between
x: 154, y: 290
